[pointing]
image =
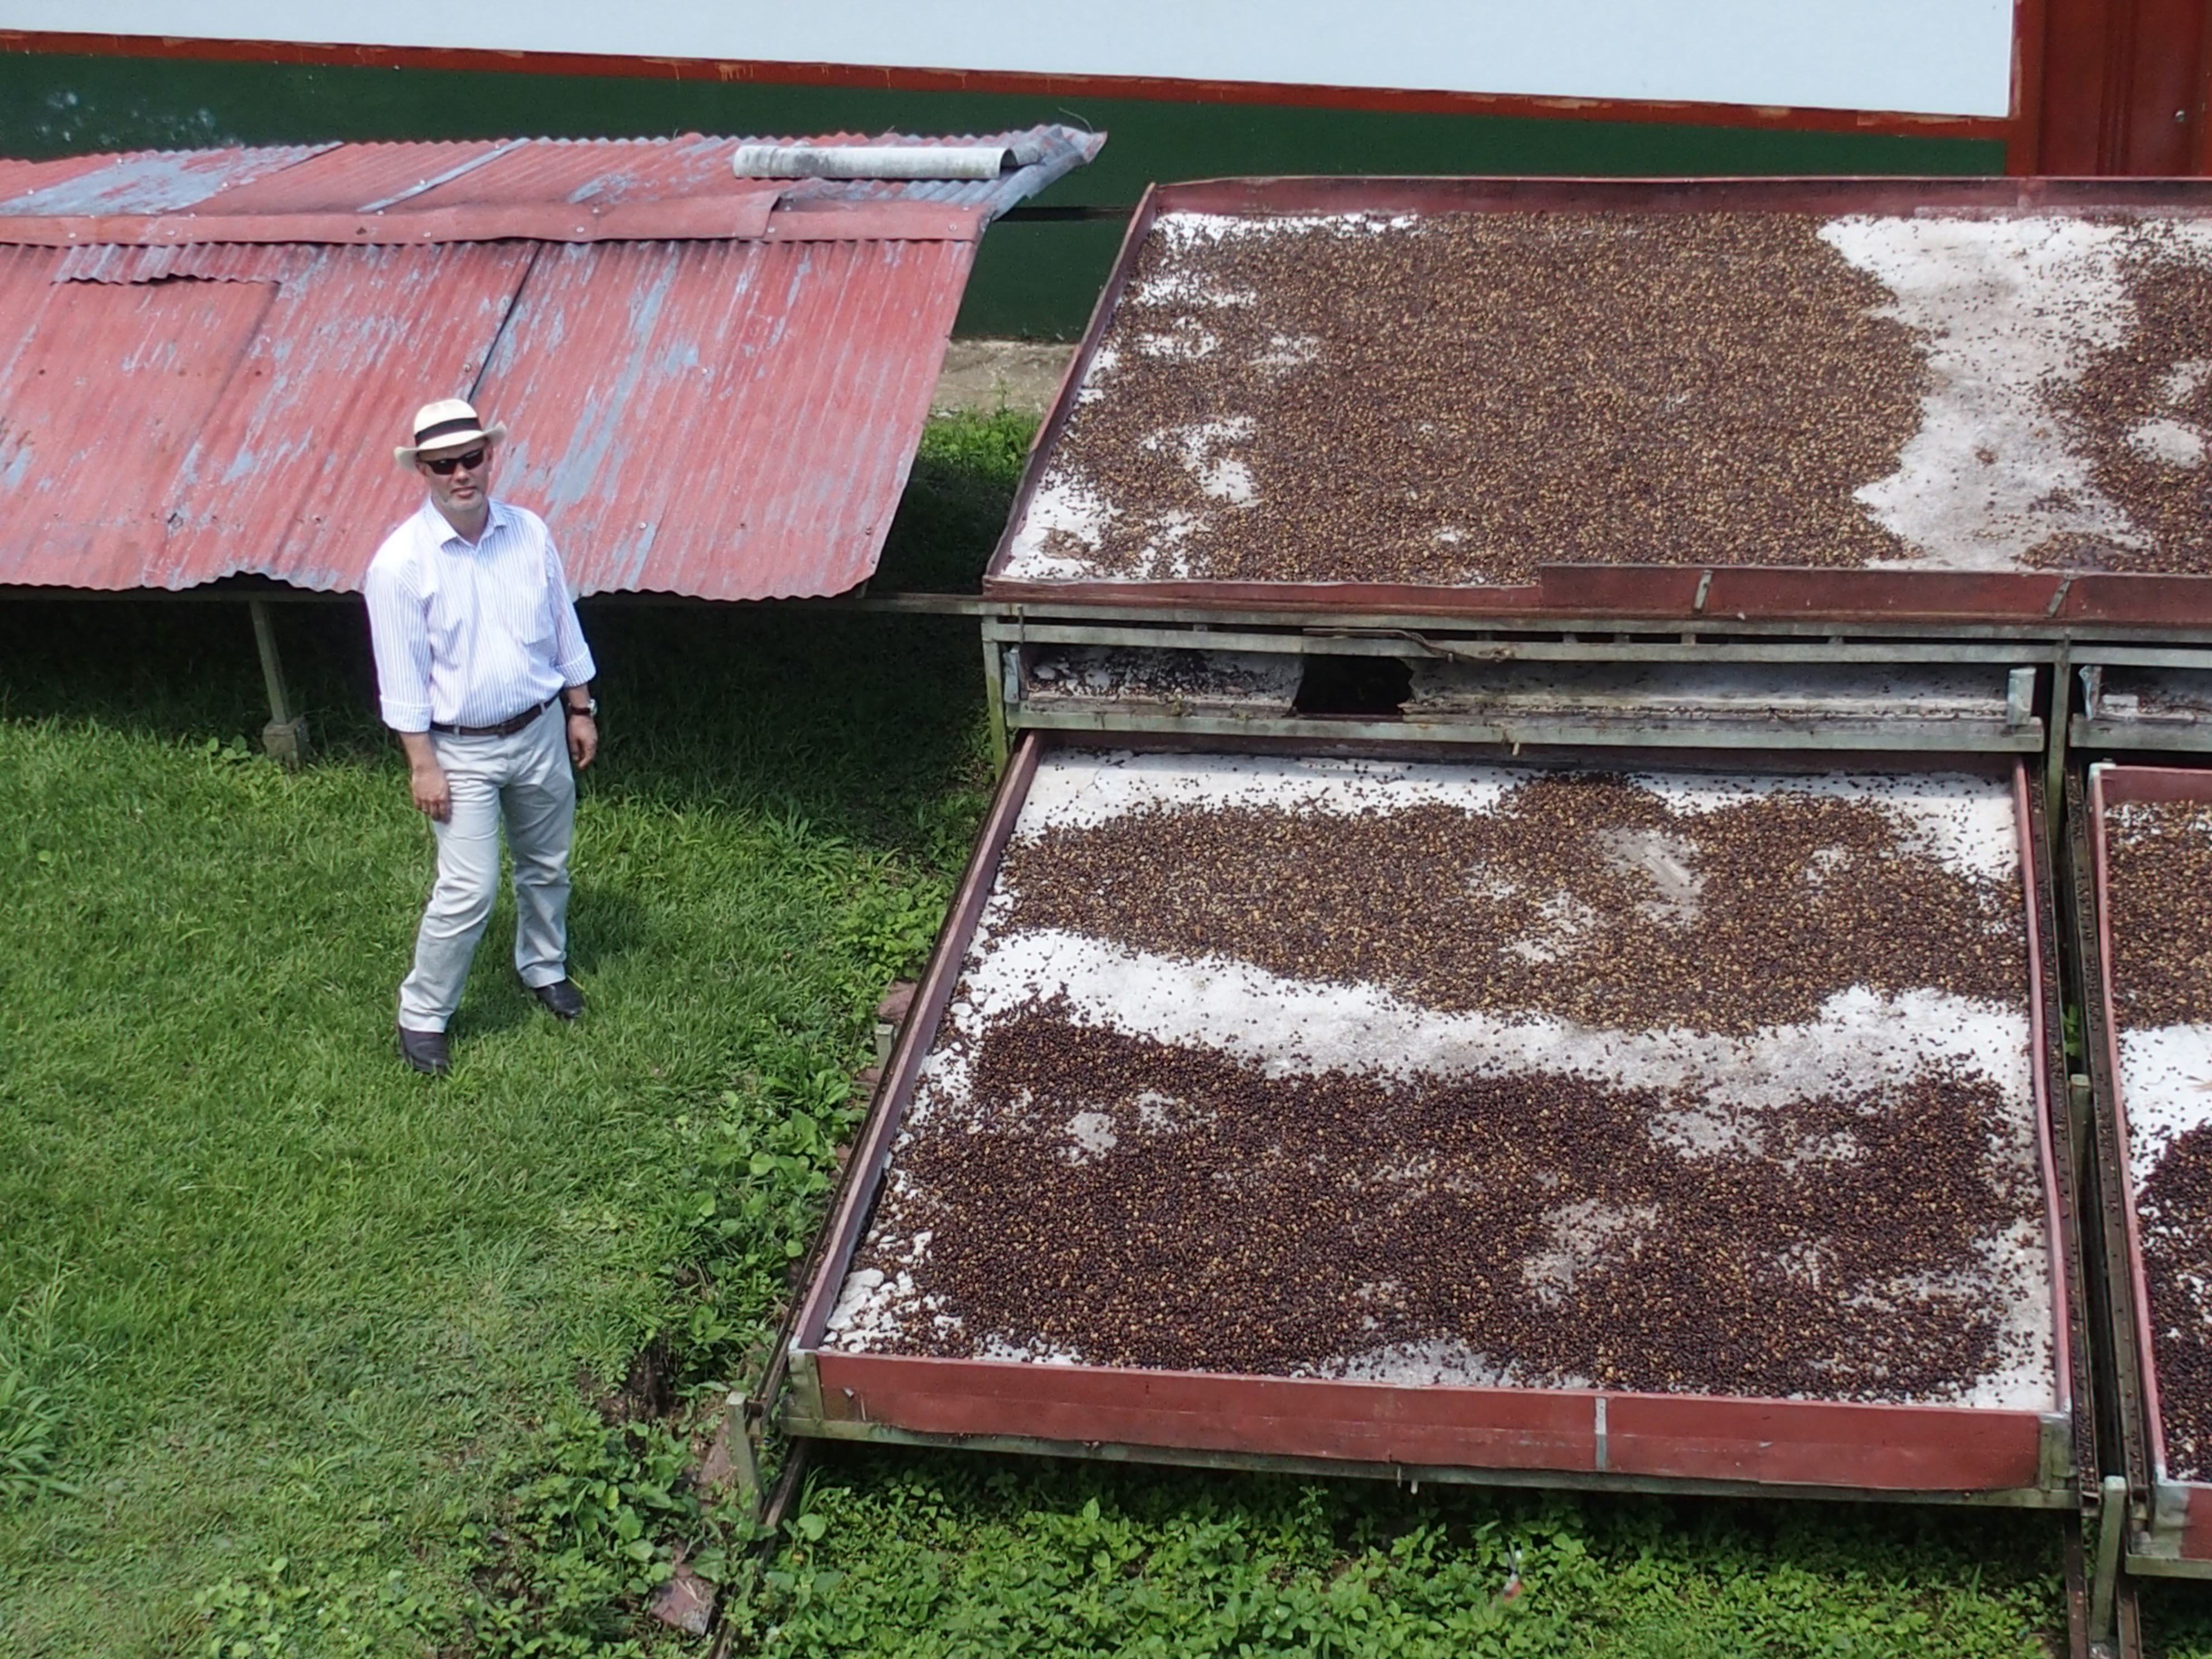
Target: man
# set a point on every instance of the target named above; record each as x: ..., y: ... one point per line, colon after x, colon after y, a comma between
x: 484, y: 672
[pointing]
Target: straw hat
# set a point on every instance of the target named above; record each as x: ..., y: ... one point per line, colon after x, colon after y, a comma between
x: 449, y: 424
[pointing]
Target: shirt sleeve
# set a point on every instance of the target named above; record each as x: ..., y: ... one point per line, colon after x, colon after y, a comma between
x: 399, y: 633
x: 572, y: 658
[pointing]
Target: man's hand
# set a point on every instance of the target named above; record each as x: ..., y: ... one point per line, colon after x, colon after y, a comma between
x: 425, y: 777
x: 583, y: 737
x: 431, y: 795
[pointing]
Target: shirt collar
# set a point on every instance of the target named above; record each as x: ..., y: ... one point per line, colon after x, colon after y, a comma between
x: 443, y: 535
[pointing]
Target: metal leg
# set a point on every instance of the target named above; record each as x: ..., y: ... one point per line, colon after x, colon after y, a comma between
x: 731, y: 1471
x: 2077, y: 1586
x: 285, y: 736
x: 2129, y: 1643
x: 994, y: 698
x: 2062, y: 710
x: 2112, y: 1527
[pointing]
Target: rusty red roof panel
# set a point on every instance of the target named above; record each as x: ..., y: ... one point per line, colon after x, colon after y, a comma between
x: 292, y: 473
x: 602, y: 172
x: 157, y: 181
x: 728, y: 425
x: 731, y: 418
x: 106, y: 388
x: 210, y: 262
x: 354, y: 178
x: 21, y: 178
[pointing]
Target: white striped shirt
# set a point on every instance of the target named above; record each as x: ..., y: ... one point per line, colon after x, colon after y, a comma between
x: 471, y: 636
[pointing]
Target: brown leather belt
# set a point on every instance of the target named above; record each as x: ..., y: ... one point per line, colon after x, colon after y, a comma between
x: 504, y: 729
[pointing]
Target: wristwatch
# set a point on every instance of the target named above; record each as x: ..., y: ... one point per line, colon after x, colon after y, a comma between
x: 589, y: 706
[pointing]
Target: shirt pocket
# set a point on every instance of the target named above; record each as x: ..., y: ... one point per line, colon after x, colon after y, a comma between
x: 524, y: 608
x: 537, y: 629
x: 447, y: 625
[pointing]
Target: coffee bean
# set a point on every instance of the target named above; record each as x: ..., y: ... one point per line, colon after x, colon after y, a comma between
x: 1213, y: 1214
x: 1462, y: 397
x: 1797, y: 896
x: 2148, y: 375
x: 2159, y: 889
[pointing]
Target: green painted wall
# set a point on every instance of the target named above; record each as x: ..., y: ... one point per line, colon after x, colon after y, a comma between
x: 1035, y: 279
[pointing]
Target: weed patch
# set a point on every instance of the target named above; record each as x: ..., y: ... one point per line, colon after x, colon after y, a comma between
x: 31, y: 1428
x: 896, y: 1553
x: 599, y: 1517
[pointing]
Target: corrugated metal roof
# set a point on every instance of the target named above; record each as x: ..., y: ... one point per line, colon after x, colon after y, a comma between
x: 728, y: 416
x: 355, y: 177
x: 602, y: 172
x: 771, y: 475
x: 158, y: 181
x: 21, y: 178
x: 211, y: 262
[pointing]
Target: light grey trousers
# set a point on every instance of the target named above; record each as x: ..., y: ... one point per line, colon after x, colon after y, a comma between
x: 525, y: 781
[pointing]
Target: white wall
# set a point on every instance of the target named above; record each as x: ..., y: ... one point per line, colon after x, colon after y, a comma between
x: 1935, y: 56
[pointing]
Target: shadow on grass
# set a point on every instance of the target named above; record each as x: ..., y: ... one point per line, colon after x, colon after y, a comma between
x: 2176, y: 1616
x: 1624, y: 1576
x: 853, y: 722
x: 609, y: 926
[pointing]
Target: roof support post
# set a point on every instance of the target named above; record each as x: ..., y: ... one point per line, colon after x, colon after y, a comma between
x: 285, y: 736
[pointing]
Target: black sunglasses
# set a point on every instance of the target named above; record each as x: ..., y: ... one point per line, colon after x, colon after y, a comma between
x: 444, y: 465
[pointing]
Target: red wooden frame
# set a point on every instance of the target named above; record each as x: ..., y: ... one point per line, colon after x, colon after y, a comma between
x: 1675, y: 593
x: 1706, y: 1440
x: 2112, y: 785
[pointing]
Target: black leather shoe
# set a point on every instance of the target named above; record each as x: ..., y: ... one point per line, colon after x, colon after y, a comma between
x: 425, y: 1051
x: 561, y: 998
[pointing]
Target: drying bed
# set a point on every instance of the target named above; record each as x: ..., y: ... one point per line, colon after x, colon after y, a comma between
x: 1468, y: 1116
x: 2134, y: 708
x: 1844, y: 397
x: 2152, y: 830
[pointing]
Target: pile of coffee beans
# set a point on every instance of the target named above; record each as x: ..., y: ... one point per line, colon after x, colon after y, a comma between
x: 1213, y: 1217
x: 2142, y: 410
x: 2160, y: 885
x: 2174, y: 1214
x: 1463, y: 398
x: 1064, y: 1188
x: 1582, y: 896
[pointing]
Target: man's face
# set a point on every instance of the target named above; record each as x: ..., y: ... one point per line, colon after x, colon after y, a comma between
x: 461, y: 489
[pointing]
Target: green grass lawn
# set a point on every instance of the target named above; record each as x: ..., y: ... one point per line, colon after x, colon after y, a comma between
x: 299, y: 1353
x: 287, y: 1298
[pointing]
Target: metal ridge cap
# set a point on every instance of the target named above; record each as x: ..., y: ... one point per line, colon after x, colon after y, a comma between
x: 741, y: 216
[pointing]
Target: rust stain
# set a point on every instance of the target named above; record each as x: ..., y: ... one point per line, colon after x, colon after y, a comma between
x: 728, y: 418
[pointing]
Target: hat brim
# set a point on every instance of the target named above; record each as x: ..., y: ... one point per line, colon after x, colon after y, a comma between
x: 407, y: 454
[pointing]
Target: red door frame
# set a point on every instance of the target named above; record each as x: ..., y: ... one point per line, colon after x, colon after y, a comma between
x: 2119, y: 86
